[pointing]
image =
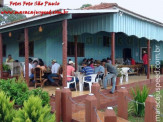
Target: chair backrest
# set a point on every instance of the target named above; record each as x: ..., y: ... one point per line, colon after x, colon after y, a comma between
x: 125, y: 70
x: 38, y: 73
x: 60, y: 70
x: 93, y: 77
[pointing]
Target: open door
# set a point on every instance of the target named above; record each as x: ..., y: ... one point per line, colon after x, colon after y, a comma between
x: 126, y: 53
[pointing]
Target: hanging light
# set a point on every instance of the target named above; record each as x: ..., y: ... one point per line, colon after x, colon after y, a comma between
x: 40, y: 29
x: 9, y: 34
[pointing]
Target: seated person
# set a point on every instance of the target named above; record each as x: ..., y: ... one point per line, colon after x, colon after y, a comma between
x: 68, y: 61
x: 109, y: 60
x: 112, y: 74
x: 43, y: 68
x: 40, y: 61
x: 54, y: 70
x: 84, y: 61
x: 87, y: 70
x: 35, y: 63
x: 16, y: 61
x: 31, y: 75
x: 91, y: 64
x: 70, y: 72
x: 127, y: 62
x: 9, y: 59
x: 132, y: 61
x: 99, y: 70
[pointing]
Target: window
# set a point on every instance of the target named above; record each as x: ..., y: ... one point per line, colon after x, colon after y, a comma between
x: 22, y: 49
x: 4, y: 50
x: 71, y: 49
x: 106, y: 41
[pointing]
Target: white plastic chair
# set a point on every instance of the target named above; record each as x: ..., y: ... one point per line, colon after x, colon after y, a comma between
x: 71, y: 82
x: 93, y: 77
x: 124, y: 72
x: 100, y: 80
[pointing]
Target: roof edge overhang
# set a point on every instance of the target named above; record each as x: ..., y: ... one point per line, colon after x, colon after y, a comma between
x: 112, y: 10
x: 27, y: 22
x: 141, y: 17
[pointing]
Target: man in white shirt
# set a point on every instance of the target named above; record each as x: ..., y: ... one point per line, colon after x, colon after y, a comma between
x: 54, y: 70
x: 31, y: 75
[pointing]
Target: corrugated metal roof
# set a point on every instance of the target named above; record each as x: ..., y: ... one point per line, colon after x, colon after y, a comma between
x: 114, y: 5
x: 113, y: 18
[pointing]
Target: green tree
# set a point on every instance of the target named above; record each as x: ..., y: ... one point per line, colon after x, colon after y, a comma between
x: 7, y: 18
x: 6, y: 108
x: 33, y: 111
x: 85, y: 5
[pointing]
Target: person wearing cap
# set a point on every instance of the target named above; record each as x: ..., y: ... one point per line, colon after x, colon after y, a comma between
x: 99, y: 70
x: 31, y: 75
x: 70, y: 72
x: 110, y: 73
x: 9, y: 59
x: 54, y: 71
x: 145, y: 61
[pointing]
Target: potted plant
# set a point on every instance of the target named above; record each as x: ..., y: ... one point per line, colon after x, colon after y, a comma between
x: 161, y: 66
x: 6, y: 70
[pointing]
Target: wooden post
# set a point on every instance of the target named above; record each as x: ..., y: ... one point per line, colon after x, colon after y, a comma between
x: 148, y: 50
x: 90, y: 105
x: 76, y: 52
x: 95, y: 91
x: 110, y: 115
x: 26, y: 56
x: 122, y: 103
x: 1, y: 56
x: 66, y: 105
x: 150, y: 109
x: 64, y: 52
x: 113, y: 48
x: 58, y: 104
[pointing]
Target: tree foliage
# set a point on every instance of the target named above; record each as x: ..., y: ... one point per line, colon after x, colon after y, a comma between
x: 6, y: 108
x: 34, y: 112
x: 85, y: 5
x: 7, y: 18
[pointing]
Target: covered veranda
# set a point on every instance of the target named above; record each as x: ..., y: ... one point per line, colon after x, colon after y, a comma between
x: 76, y: 24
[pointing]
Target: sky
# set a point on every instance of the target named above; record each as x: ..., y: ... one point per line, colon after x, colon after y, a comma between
x: 149, y: 8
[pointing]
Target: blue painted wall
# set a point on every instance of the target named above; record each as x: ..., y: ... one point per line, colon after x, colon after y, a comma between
x: 48, y: 44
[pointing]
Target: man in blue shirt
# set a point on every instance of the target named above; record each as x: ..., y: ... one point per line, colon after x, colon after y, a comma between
x: 99, y: 70
x: 87, y: 70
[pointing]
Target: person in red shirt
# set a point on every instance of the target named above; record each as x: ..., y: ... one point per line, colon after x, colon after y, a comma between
x: 145, y: 61
x: 132, y: 61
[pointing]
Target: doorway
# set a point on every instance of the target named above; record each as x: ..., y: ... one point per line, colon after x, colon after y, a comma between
x: 126, y: 53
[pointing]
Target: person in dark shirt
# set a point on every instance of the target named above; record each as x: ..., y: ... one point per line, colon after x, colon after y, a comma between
x: 110, y: 73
